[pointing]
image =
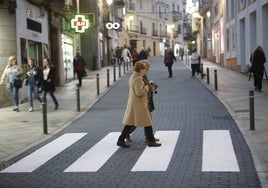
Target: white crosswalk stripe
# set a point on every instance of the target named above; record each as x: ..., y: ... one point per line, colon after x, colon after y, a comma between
x: 218, y: 153
x: 157, y: 159
x: 95, y: 158
x: 45, y: 153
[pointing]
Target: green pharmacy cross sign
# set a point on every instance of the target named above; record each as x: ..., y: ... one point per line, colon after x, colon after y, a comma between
x: 80, y: 23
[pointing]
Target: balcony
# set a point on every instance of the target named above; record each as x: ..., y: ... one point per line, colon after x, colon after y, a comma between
x: 204, y: 6
x: 164, y: 34
x: 155, y: 32
x: 131, y: 7
x: 133, y: 28
x: 119, y: 3
x: 176, y: 15
x: 143, y: 30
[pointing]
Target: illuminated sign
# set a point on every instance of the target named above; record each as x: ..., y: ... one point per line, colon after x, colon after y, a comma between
x: 111, y: 25
x: 80, y: 23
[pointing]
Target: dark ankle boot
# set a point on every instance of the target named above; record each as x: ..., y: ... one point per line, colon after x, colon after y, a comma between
x: 153, y: 144
x: 122, y: 144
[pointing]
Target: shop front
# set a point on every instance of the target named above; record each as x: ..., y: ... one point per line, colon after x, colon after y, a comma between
x: 32, y: 36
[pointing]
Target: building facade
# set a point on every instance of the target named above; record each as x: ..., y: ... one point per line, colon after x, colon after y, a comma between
x: 232, y: 31
x: 42, y: 29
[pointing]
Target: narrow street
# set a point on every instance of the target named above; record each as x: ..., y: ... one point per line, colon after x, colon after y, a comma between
x: 202, y: 145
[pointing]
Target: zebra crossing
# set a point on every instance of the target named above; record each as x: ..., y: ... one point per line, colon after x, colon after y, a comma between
x: 218, y: 153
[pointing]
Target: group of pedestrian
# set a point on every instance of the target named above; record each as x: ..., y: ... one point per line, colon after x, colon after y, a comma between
x: 126, y: 54
x: 36, y: 79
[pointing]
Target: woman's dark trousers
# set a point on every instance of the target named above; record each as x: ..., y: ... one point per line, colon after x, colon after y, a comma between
x: 125, y: 132
x: 149, y: 133
x: 170, y: 70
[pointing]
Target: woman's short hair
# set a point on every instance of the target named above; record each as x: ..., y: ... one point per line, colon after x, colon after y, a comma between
x: 31, y: 59
x: 10, y: 59
x: 147, y: 64
x: 139, y: 66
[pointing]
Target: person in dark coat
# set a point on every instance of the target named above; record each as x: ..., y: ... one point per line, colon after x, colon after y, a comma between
x: 143, y: 54
x: 258, y: 59
x: 33, y: 81
x: 48, y: 85
x: 169, y: 60
x: 135, y: 56
x: 79, y: 67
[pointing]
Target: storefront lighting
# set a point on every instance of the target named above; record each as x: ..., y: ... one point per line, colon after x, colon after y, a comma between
x: 80, y: 23
x: 109, y: 2
x: 208, y: 14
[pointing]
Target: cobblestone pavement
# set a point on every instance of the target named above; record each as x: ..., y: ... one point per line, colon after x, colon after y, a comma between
x: 183, y: 104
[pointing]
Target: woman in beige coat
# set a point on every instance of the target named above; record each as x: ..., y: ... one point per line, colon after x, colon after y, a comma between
x: 137, y: 113
x: 11, y: 73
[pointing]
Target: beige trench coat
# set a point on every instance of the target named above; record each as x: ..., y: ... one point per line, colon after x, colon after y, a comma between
x: 137, y: 112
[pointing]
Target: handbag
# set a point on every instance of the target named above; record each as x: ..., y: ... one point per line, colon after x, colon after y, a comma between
x: 17, y: 83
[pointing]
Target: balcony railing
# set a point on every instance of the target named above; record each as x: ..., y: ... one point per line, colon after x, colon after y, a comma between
x: 131, y: 6
x: 164, y: 34
x: 133, y: 28
x: 176, y: 16
x: 143, y: 30
x: 155, y: 32
x: 204, y: 6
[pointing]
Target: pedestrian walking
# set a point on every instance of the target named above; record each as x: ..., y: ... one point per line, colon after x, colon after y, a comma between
x: 79, y: 67
x: 112, y: 57
x: 169, y: 60
x: 143, y: 54
x: 135, y: 56
x: 258, y: 59
x: 195, y: 62
x: 33, y: 82
x: 148, y: 51
x: 118, y: 53
x: 11, y: 77
x: 48, y: 84
x: 137, y: 113
x: 126, y: 55
x: 152, y: 90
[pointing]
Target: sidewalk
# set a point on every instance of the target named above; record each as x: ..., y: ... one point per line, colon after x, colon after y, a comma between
x: 233, y: 91
x: 20, y: 131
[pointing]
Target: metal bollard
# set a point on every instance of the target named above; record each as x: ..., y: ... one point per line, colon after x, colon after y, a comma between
x: 114, y: 74
x: 119, y: 67
x: 127, y: 65
x: 124, y: 67
x: 44, y: 112
x: 108, y: 78
x: 251, y: 110
x: 98, y: 84
x: 207, y: 75
x: 216, y: 80
x: 77, y: 98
